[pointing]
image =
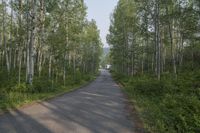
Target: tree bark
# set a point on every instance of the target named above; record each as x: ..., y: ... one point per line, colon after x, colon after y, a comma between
x: 32, y: 42
x: 173, y: 60
x: 4, y: 37
x: 157, y: 35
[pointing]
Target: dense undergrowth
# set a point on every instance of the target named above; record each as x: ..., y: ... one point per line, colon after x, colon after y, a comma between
x: 13, y: 94
x: 166, y: 106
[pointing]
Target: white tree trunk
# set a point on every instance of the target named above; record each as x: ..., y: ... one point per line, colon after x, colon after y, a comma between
x: 32, y: 42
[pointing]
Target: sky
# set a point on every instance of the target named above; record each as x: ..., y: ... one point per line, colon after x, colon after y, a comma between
x: 100, y: 11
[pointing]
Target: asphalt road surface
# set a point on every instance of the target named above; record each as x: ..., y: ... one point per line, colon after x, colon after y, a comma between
x: 99, y: 107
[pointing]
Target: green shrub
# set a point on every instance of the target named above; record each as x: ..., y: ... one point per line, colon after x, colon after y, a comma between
x: 181, y: 112
x: 119, y: 76
x: 20, y: 88
x: 41, y: 86
x: 167, y: 106
x: 151, y: 87
x: 13, y: 94
x: 2, y: 94
x: 87, y: 77
x: 78, y: 77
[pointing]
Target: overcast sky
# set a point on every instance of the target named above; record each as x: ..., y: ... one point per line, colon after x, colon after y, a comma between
x: 100, y: 11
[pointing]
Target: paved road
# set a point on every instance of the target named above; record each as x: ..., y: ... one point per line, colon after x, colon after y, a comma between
x: 96, y: 108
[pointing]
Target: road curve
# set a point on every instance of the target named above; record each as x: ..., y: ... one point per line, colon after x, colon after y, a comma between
x: 96, y: 108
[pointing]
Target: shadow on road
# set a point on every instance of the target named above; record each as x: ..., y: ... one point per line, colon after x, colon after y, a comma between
x: 19, y: 122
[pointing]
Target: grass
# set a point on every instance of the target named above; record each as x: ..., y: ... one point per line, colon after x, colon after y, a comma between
x: 166, y: 106
x: 15, y: 95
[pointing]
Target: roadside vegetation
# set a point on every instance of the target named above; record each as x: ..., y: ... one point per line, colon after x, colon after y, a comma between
x: 47, y: 47
x: 13, y: 95
x: 165, y: 106
x: 155, y: 52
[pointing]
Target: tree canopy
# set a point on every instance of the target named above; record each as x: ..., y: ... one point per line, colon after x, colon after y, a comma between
x: 155, y: 36
x: 47, y: 38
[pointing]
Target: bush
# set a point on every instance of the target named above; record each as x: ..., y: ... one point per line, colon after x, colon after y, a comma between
x: 167, y: 106
x: 13, y: 94
x: 41, y: 86
x: 119, y: 76
x: 77, y: 79
x: 151, y: 87
x: 87, y: 77
x: 20, y: 88
x: 2, y: 94
x: 181, y: 113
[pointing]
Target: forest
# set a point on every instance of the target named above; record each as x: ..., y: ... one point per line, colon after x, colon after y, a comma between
x: 155, y: 52
x: 46, y: 47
